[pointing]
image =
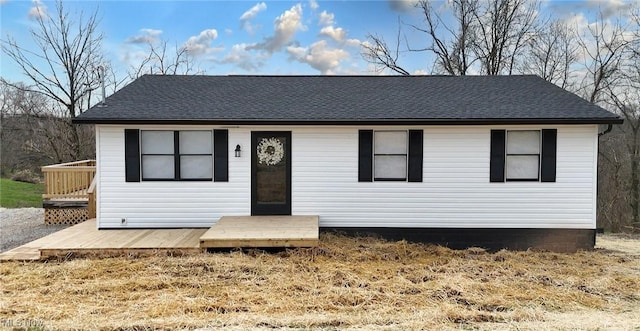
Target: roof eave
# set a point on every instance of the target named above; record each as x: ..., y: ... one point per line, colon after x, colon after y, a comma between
x: 451, y: 121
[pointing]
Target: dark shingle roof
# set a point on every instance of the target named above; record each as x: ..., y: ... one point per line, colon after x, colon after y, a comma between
x: 344, y: 100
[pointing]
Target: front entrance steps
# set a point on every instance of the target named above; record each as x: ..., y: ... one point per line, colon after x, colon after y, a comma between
x: 262, y: 231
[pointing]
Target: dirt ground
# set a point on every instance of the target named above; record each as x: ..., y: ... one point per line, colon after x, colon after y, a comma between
x: 346, y: 283
x: 628, y: 244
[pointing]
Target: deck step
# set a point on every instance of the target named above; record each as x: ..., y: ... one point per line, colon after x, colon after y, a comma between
x: 67, y: 203
x: 262, y: 231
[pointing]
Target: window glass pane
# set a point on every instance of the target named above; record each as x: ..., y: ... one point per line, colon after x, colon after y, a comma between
x: 522, y: 167
x: 195, y: 142
x: 157, y: 142
x: 390, y: 142
x: 192, y: 167
x: 390, y: 167
x: 523, y: 142
x: 157, y: 166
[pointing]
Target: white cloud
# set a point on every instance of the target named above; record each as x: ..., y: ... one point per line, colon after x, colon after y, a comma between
x: 201, y: 44
x: 253, y: 11
x: 3, y: 1
x: 314, y: 4
x: 296, y: 52
x: 326, y: 18
x: 608, y: 9
x: 285, y: 27
x: 578, y: 21
x: 241, y: 57
x: 39, y: 10
x: 228, y: 32
x: 146, y: 36
x: 319, y: 56
x: 420, y: 72
x: 353, y: 42
x: 402, y: 5
x: 245, y: 19
x: 337, y: 34
x: 611, y: 8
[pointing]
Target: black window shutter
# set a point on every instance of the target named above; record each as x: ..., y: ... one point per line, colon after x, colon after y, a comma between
x: 132, y: 155
x: 221, y: 155
x: 415, y: 155
x: 496, y: 164
x: 365, y: 156
x: 548, y: 163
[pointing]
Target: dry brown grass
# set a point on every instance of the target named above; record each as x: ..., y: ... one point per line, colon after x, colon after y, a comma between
x: 345, y: 283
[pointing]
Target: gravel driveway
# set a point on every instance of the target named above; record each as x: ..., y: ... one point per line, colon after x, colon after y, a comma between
x: 19, y: 226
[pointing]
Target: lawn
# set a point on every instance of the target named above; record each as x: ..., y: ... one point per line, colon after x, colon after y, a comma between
x: 19, y: 195
x: 345, y: 283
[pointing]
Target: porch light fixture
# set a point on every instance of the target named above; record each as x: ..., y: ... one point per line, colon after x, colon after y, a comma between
x: 238, y: 151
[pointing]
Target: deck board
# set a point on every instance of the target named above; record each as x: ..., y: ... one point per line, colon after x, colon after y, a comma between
x: 228, y: 232
x: 86, y: 238
x: 22, y: 253
x: 262, y: 231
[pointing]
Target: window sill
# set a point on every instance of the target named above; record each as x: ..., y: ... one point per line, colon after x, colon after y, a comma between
x: 389, y: 179
x: 523, y: 180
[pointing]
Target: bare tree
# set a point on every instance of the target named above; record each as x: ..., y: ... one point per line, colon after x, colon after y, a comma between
x: 552, y: 54
x: 603, y: 46
x: 450, y: 42
x: 503, y: 28
x: 489, y: 33
x: 613, y: 80
x: 63, y: 67
x: 621, y: 152
x: 625, y: 98
x: 163, y: 61
x: 377, y: 52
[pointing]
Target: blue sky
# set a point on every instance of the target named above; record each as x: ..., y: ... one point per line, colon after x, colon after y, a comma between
x: 251, y: 37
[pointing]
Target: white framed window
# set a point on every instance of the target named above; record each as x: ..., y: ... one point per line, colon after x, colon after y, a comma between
x: 176, y: 155
x: 390, y: 149
x: 157, y: 155
x: 196, y: 161
x: 523, y: 155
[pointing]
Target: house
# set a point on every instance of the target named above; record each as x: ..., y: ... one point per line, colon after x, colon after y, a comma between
x: 492, y: 161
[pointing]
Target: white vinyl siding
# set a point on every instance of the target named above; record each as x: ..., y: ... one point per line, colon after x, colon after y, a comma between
x: 455, y: 191
x: 150, y: 204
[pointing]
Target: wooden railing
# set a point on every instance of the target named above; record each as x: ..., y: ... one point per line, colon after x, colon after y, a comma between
x: 68, y: 180
x: 91, y: 205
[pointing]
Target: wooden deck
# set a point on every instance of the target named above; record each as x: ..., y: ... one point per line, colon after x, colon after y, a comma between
x: 262, y: 231
x: 228, y: 232
x: 85, y: 238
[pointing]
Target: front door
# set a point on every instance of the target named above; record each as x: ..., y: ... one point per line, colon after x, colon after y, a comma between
x: 270, y: 173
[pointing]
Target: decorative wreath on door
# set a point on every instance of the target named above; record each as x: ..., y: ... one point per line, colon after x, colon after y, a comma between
x: 270, y: 151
